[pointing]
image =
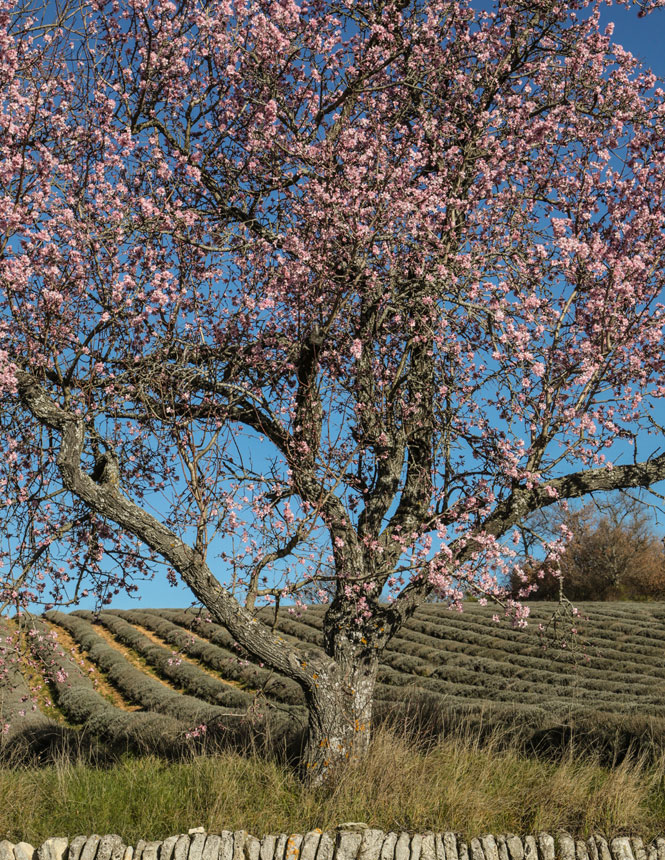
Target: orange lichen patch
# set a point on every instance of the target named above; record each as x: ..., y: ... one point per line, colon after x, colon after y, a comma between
x: 132, y: 657
x: 178, y: 655
x: 104, y: 687
x: 292, y: 851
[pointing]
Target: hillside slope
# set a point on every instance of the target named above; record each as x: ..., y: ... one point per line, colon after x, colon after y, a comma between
x: 151, y: 678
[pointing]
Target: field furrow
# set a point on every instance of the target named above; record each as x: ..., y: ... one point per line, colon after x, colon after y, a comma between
x: 126, y: 674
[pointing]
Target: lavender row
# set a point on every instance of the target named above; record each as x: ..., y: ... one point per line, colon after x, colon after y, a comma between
x: 135, y: 685
x: 84, y: 706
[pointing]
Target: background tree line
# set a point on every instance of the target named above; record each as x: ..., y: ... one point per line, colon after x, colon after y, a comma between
x: 614, y: 553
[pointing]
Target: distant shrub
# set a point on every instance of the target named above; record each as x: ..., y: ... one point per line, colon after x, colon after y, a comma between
x: 613, y: 555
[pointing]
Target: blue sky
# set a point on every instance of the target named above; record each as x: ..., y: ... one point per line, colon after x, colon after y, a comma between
x: 643, y: 37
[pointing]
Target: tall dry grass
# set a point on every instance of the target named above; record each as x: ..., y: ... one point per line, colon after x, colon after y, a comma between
x: 454, y: 784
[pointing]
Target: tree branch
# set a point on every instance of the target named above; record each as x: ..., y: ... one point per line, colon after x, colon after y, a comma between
x: 523, y: 501
x: 107, y: 500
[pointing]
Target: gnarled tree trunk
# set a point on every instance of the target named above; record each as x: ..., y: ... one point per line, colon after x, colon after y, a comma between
x: 340, y: 715
x: 341, y: 696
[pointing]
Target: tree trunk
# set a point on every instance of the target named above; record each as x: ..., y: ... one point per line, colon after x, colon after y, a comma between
x: 340, y: 701
x: 340, y: 717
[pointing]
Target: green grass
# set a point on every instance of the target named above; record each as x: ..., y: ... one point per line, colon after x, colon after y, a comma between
x: 455, y: 785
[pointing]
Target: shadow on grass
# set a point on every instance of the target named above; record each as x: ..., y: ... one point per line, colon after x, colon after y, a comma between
x: 608, y: 739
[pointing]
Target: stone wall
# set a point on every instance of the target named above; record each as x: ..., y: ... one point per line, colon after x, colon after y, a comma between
x: 351, y: 841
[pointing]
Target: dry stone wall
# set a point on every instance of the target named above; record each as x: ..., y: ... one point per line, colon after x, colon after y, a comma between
x: 351, y: 841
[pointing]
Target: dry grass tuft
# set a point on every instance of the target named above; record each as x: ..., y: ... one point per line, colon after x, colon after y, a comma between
x: 455, y: 784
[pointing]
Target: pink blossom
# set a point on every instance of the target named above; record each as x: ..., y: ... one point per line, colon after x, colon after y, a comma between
x: 357, y: 348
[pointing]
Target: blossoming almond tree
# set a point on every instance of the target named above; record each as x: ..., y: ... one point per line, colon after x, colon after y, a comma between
x: 318, y: 300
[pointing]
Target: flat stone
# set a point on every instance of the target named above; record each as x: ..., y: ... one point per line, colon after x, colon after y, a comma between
x: 6, y: 850
x: 416, y: 846
x: 593, y: 848
x: 24, y: 851
x: 515, y: 847
x: 652, y: 851
x: 489, y: 846
x: 370, y: 845
x: 403, y: 847
x: 138, y: 849
x: 118, y: 851
x: 546, y: 846
x: 238, y: 845
x: 639, y: 851
x: 195, y: 846
x: 252, y: 847
x: 267, y: 850
x: 428, y: 850
x: 226, y: 845
x: 530, y: 848
x: 326, y: 848
x: 581, y: 852
x: 476, y: 850
x: 76, y: 846
x: 211, y: 847
x: 292, y: 849
x: 310, y: 842
x: 150, y: 851
x: 621, y: 848
x: 193, y: 830
x: 462, y: 850
x: 168, y: 846
x: 450, y: 846
x: 660, y: 847
x: 566, y: 845
x: 501, y: 847
x: 129, y: 853
x: 106, y: 846
x: 348, y: 843
x: 181, y: 847
x: 54, y: 848
x: 388, y: 846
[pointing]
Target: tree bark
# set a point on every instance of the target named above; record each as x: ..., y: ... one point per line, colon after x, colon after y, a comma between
x: 340, y: 715
x: 340, y: 699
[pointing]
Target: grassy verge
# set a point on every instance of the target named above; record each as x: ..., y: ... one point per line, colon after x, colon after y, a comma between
x: 455, y: 785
